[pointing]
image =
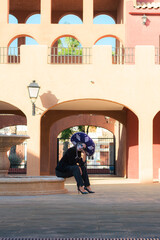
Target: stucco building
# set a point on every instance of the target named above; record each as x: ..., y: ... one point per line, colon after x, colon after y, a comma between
x: 82, y: 89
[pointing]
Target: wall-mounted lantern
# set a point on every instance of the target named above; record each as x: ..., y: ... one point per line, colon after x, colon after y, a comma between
x: 144, y: 19
x: 33, y: 90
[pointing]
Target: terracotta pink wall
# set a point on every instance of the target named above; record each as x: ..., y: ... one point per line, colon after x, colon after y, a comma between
x: 156, y: 145
x: 132, y: 146
x: 136, y: 32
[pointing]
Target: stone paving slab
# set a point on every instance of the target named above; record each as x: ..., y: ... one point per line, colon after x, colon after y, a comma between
x: 114, y: 211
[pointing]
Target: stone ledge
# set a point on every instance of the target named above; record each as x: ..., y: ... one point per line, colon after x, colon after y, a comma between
x: 17, y: 186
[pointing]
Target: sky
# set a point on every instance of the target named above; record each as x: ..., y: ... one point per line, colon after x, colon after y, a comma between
x: 68, y: 19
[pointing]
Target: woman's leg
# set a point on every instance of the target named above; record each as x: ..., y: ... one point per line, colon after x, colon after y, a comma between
x: 86, y: 180
x: 85, y: 176
x: 76, y: 173
x: 66, y: 174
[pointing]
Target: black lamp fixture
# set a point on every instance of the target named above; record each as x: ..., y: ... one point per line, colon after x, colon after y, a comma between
x: 144, y: 19
x: 33, y: 90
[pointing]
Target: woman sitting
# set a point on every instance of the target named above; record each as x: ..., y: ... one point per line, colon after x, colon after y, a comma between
x: 72, y: 164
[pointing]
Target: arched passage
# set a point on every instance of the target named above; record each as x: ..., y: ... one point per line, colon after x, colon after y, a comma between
x: 60, y: 112
x: 10, y: 117
x: 74, y: 120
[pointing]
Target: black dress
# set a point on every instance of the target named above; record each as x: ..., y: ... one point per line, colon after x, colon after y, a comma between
x: 69, y: 165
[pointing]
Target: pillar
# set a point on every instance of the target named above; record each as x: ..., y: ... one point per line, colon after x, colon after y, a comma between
x: 132, y: 158
x: 45, y: 11
x: 21, y: 41
x: 33, y: 145
x: 145, y: 149
x: 88, y: 11
x: 4, y: 11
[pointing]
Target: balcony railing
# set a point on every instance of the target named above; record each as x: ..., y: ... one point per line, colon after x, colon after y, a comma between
x: 57, y: 55
x: 9, y: 55
x: 122, y: 55
x: 71, y: 55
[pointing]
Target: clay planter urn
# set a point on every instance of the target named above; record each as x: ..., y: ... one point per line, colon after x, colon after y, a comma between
x: 6, y: 142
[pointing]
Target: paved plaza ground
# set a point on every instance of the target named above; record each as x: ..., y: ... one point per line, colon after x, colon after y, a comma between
x: 117, y: 209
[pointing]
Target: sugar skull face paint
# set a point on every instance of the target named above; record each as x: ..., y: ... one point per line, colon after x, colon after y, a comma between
x: 81, y: 146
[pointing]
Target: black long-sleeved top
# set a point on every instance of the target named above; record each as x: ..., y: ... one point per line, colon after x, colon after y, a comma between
x: 70, y: 158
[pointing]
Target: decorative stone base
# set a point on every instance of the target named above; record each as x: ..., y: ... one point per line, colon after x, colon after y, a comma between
x: 22, y: 186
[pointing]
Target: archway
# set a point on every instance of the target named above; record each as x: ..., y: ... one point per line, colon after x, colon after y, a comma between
x: 103, y: 159
x: 14, y: 47
x: 126, y: 130
x: 13, y: 121
x: 98, y: 121
x: 66, y: 49
x: 118, y: 50
x: 22, y: 39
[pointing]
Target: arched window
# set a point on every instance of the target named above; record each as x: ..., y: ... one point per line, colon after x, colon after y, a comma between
x: 70, y: 19
x: 14, y: 48
x: 34, y: 19
x: 68, y: 42
x: 103, y: 19
x: 117, y: 48
x: 66, y: 49
x: 26, y: 41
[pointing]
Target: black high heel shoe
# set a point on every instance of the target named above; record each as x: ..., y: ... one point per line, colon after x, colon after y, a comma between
x: 88, y: 190
x: 82, y: 191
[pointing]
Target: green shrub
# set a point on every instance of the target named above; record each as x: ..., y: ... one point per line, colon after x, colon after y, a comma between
x: 15, y: 160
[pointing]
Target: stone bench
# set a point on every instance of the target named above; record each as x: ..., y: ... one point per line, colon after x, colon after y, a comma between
x: 20, y: 185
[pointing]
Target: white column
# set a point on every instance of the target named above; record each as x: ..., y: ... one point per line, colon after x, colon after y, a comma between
x: 145, y: 149
x: 88, y: 11
x: 4, y: 11
x: 45, y: 11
